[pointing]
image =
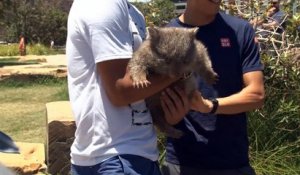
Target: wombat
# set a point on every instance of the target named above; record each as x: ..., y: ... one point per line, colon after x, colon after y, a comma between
x: 173, y: 52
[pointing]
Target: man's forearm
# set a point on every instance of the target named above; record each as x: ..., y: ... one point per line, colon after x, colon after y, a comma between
x: 127, y: 93
x: 240, y: 102
x: 270, y: 25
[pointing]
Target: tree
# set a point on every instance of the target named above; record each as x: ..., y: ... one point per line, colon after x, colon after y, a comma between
x: 40, y: 21
x: 157, y: 12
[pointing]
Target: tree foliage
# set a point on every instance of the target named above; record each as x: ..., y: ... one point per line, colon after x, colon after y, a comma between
x: 40, y: 21
x: 157, y: 12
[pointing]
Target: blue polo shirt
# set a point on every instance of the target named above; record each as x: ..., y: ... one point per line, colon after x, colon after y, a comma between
x: 278, y: 17
x: 218, y: 141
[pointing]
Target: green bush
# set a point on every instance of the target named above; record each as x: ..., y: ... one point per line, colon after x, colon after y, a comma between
x: 9, y: 50
x: 36, y: 49
x: 275, y: 129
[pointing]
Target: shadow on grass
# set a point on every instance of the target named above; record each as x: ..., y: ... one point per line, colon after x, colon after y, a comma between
x: 15, y: 62
x: 22, y: 80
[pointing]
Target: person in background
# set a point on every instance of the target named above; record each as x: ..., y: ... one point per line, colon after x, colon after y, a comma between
x: 274, y: 18
x: 114, y: 130
x: 22, y: 45
x: 52, y: 44
x: 216, y: 140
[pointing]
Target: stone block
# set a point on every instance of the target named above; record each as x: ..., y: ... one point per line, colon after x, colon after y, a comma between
x: 60, y: 135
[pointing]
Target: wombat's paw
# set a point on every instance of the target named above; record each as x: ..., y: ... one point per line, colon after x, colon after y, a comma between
x: 142, y: 84
x: 139, y: 80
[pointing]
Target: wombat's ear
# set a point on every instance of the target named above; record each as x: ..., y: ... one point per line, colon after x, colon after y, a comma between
x: 152, y: 32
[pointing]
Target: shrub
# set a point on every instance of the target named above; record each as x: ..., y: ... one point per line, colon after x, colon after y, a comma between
x: 36, y: 49
x: 275, y: 129
x: 9, y: 50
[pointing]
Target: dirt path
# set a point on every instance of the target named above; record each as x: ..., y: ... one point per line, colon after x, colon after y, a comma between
x: 47, y: 65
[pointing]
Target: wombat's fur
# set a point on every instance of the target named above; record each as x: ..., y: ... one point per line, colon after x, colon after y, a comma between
x: 174, y: 52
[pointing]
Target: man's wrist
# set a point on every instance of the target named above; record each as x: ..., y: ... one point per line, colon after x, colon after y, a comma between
x: 214, y: 105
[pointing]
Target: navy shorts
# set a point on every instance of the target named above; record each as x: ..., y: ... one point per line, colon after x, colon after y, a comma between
x: 120, y: 165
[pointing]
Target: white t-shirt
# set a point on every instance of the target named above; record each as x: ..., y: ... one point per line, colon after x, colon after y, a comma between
x: 100, y: 30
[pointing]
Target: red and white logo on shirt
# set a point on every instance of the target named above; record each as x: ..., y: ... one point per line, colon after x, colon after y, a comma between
x: 225, y: 42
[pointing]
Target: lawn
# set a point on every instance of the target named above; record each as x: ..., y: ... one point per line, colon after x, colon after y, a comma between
x: 23, y: 110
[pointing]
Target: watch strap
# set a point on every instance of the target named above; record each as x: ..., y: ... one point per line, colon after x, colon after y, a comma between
x: 215, y: 103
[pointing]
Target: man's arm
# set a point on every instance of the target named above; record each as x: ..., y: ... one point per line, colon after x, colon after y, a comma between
x: 271, y: 25
x: 175, y: 103
x: 118, y: 84
x: 257, y: 21
x: 277, y: 19
x: 249, y: 98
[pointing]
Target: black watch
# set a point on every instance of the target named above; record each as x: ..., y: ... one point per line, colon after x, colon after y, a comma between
x: 215, y: 103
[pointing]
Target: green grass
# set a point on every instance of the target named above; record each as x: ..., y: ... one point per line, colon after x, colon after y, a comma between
x: 22, y: 108
x: 283, y: 160
x: 12, y: 61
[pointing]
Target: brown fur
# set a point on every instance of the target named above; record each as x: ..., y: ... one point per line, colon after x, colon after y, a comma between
x: 173, y: 52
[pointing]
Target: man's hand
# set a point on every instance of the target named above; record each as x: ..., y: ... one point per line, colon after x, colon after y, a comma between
x: 198, y: 103
x: 175, y: 105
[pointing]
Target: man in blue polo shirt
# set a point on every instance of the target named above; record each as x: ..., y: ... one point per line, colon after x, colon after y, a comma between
x: 274, y: 19
x: 215, y: 140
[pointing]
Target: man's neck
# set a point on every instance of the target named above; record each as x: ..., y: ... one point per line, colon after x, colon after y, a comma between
x: 195, y: 18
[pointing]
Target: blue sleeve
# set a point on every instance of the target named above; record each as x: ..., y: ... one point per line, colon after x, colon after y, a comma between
x: 250, y: 51
x: 278, y: 17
